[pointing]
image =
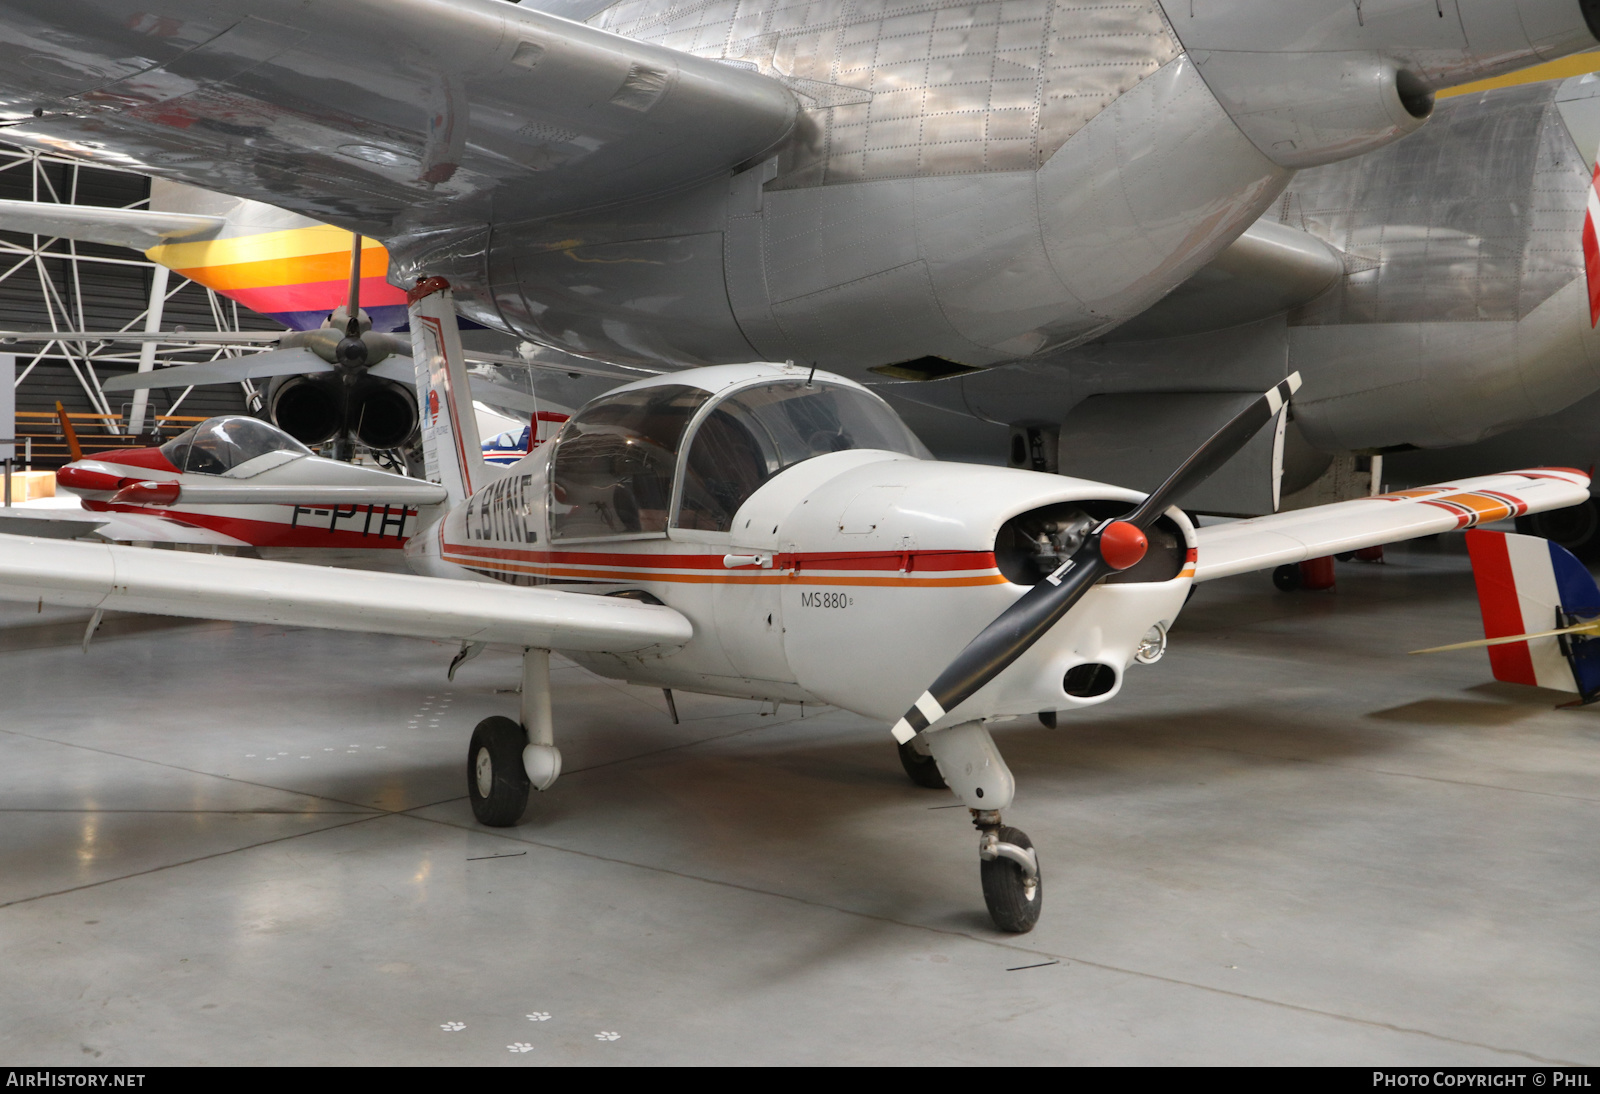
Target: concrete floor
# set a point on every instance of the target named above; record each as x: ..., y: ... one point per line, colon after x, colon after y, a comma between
x: 1287, y: 843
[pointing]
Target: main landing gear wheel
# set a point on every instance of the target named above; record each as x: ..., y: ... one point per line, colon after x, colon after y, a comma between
x: 920, y: 764
x: 497, y: 783
x: 1012, y: 885
x: 1287, y: 578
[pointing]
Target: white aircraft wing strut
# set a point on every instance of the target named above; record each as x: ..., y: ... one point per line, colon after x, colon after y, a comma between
x: 1263, y: 542
x: 138, y: 579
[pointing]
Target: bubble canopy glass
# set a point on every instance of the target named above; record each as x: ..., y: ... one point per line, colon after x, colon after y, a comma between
x: 218, y: 445
x: 614, y: 463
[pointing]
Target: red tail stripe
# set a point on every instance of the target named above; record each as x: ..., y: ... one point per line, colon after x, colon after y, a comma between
x: 1591, y: 265
x: 1497, y: 600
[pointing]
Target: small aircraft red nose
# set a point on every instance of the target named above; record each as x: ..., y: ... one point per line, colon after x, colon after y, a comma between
x: 82, y: 478
x: 1122, y: 545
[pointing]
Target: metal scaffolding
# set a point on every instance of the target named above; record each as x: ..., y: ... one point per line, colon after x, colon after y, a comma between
x: 55, y: 284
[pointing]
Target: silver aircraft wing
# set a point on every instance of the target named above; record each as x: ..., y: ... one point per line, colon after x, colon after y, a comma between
x: 138, y: 229
x: 379, y: 115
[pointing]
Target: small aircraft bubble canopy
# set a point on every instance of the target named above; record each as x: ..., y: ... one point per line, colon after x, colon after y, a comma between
x: 219, y: 445
x: 616, y: 464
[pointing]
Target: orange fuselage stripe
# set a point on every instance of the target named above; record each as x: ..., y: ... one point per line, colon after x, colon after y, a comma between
x: 295, y: 270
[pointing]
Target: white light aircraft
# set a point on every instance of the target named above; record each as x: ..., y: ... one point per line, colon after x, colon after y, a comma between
x: 750, y: 530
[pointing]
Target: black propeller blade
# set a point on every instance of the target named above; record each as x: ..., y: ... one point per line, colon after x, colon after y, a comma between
x: 351, y: 353
x: 1115, y: 545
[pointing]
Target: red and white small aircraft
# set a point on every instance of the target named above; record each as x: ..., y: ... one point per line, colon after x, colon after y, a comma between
x: 754, y: 530
x: 238, y: 481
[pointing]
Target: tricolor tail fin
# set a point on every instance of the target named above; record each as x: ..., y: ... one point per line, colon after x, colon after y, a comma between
x: 451, y: 448
x: 1527, y: 585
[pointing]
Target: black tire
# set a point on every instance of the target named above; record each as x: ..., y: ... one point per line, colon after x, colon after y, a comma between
x: 1577, y: 528
x: 922, y: 770
x: 1013, y: 904
x: 494, y: 764
x: 1287, y: 577
x: 1344, y: 556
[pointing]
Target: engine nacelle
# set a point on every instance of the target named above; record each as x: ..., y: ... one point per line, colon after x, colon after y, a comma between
x: 1303, y: 110
x: 308, y: 408
x: 379, y: 413
x: 1313, y: 81
x: 948, y: 569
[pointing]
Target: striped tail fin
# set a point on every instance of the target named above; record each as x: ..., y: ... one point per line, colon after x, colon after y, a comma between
x: 1523, y: 582
x: 1591, y: 246
x: 452, y: 450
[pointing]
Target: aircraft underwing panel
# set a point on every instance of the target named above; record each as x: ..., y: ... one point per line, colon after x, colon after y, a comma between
x: 654, y: 298
x: 922, y: 88
x: 873, y: 318
x: 374, y: 116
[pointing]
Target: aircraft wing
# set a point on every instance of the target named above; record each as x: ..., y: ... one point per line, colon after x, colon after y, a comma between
x: 137, y: 579
x: 201, y: 339
x: 139, y: 229
x: 72, y: 522
x: 376, y: 116
x: 1300, y: 534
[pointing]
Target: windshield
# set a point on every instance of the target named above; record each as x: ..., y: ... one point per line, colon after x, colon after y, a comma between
x: 757, y: 432
x: 613, y: 466
x: 221, y: 444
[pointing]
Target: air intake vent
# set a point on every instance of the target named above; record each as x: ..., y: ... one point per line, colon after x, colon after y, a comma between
x: 924, y: 368
x: 1089, y: 680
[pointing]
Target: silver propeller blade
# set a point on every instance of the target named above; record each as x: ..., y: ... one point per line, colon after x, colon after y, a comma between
x: 273, y: 362
x: 402, y: 370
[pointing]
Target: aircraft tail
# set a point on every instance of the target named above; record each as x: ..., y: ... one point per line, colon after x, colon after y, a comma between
x: 1527, y: 585
x: 452, y: 450
x: 273, y: 261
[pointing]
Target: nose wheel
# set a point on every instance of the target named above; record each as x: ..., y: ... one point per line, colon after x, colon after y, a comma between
x: 1012, y: 885
x: 497, y: 781
x: 920, y: 765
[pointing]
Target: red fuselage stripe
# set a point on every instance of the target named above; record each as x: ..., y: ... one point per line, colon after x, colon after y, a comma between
x: 908, y: 561
x: 265, y: 533
x: 724, y: 577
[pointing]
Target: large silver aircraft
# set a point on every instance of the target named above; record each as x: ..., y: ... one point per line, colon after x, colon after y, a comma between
x: 1431, y: 293
x: 924, y: 185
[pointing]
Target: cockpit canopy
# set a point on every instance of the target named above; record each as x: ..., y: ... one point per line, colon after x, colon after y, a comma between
x: 218, y: 445
x: 615, y: 463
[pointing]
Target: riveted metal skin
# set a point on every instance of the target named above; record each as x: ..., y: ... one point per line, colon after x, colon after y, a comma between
x: 908, y: 90
x: 1431, y: 293
x: 852, y: 182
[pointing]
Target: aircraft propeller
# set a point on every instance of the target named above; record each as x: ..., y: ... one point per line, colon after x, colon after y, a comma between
x: 351, y: 352
x: 1115, y: 545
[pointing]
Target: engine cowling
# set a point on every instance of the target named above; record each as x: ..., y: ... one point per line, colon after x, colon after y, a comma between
x: 381, y: 414
x: 1313, y: 81
x: 378, y: 413
x: 308, y: 408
